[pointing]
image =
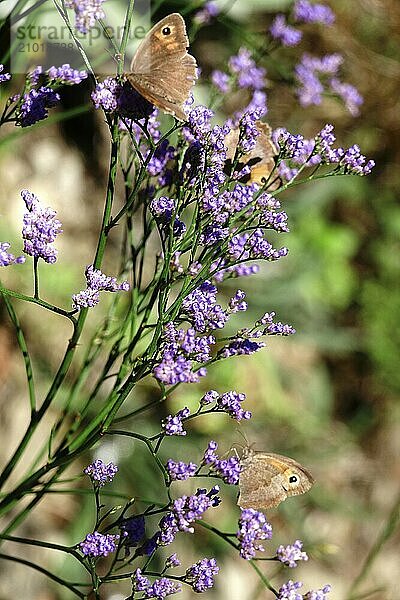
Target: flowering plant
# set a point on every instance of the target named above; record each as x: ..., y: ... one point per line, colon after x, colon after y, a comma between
x: 204, y: 220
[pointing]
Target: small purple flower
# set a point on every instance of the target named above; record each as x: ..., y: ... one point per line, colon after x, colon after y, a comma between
x: 306, y: 12
x: 40, y: 229
x: 318, y: 594
x: 201, y: 574
x: 101, y: 473
x: 180, y: 471
x: 66, y: 74
x: 289, y: 591
x: 349, y: 94
x: 172, y: 561
x: 253, y: 529
x: 105, y: 95
x: 6, y: 258
x: 4, y: 76
x: 230, y: 402
x: 228, y: 469
x: 172, y: 425
x: 287, y: 35
x: 209, y: 397
x: 248, y: 74
x: 34, y: 105
x: 96, y: 544
x: 86, y: 13
x: 209, y: 11
x: 291, y: 554
x: 275, y: 328
x: 96, y: 282
x: 160, y: 588
x: 221, y: 81
x: 184, y: 512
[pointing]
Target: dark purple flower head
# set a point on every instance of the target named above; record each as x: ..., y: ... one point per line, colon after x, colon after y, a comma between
x: 133, y: 531
x: 101, y: 473
x: 86, y: 13
x: 184, y: 512
x: 4, y: 76
x: 287, y: 35
x: 172, y: 424
x: 97, y: 544
x: 290, y: 555
x: 40, y: 229
x: 6, y: 258
x: 253, y: 529
x: 241, y: 346
x: 35, y: 104
x: 159, y: 589
x: 180, y: 471
x: 201, y: 574
x: 65, y: 74
x: 306, y: 12
x: 131, y: 104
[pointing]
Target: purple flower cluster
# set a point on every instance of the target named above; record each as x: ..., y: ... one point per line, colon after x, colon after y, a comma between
x: 253, y: 529
x: 306, y: 12
x: 35, y: 104
x: 289, y: 591
x: 203, y: 311
x: 96, y: 282
x: 229, y: 402
x: 179, y: 349
x: 239, y: 347
x: 98, y: 544
x: 172, y: 424
x: 309, y: 72
x: 86, y: 13
x: 273, y: 328
x: 247, y: 73
x: 250, y: 246
x: 66, y: 74
x: 184, y: 512
x: 105, y: 95
x: 228, y: 469
x: 209, y: 11
x: 172, y: 561
x: 4, y: 76
x: 6, y: 258
x: 291, y: 554
x: 133, y: 531
x: 180, y: 471
x: 101, y: 473
x: 287, y: 35
x: 201, y: 575
x: 40, y: 229
x: 163, y: 209
x: 160, y: 588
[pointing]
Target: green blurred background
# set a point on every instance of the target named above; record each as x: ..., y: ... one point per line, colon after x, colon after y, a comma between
x: 329, y: 395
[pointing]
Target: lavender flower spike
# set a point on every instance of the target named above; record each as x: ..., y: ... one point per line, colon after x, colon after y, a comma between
x: 40, y: 229
x: 96, y: 544
x: 201, y: 574
x: 253, y: 528
x: 100, y: 473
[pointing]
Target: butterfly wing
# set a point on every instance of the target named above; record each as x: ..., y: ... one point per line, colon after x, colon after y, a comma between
x: 162, y: 70
x: 268, y: 479
x: 258, y: 484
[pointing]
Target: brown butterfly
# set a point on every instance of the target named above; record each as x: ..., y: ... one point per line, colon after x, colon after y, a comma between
x: 161, y: 70
x: 267, y: 479
x: 260, y: 159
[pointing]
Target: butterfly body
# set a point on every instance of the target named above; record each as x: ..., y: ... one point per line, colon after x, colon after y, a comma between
x: 162, y: 71
x: 267, y: 479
